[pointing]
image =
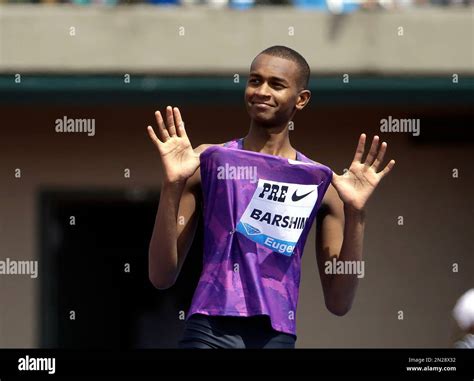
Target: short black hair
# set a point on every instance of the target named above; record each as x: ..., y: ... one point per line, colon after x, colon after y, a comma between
x: 292, y: 55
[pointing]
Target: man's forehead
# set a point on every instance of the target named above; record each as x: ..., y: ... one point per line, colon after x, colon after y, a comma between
x: 271, y: 66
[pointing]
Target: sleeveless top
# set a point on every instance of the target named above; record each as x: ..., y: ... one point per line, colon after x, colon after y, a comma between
x: 258, y: 210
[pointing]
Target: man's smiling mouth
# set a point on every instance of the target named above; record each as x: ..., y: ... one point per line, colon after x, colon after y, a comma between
x: 261, y: 104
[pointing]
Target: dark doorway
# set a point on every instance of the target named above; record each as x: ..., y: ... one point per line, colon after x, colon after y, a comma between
x: 94, y: 262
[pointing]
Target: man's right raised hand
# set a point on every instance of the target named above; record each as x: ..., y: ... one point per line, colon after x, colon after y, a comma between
x: 177, y: 155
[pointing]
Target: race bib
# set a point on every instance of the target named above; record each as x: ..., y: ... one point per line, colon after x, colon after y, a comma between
x: 277, y: 214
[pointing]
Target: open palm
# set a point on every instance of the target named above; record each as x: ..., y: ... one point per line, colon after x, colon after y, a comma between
x: 177, y: 155
x: 358, y: 183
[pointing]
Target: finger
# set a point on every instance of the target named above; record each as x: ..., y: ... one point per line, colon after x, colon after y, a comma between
x: 388, y: 168
x: 179, y: 123
x: 373, y: 151
x: 360, y: 148
x: 162, y: 131
x: 380, y: 155
x: 153, y: 137
x: 170, y: 121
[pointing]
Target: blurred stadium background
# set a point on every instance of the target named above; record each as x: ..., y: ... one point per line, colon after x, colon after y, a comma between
x: 118, y: 61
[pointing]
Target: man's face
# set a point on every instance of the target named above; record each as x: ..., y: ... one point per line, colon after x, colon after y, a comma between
x: 272, y: 90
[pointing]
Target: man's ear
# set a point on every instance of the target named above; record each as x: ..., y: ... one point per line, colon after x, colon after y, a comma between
x: 303, y: 99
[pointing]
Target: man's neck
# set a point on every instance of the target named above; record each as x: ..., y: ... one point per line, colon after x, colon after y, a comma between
x: 269, y: 140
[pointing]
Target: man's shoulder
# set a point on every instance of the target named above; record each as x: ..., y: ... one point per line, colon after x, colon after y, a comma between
x: 194, y: 181
x: 331, y: 199
x: 201, y: 148
x: 311, y: 159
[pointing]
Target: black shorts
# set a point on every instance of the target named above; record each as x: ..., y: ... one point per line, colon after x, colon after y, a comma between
x: 204, y: 331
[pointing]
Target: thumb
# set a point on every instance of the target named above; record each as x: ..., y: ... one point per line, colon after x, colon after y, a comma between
x: 335, y: 177
x: 153, y: 137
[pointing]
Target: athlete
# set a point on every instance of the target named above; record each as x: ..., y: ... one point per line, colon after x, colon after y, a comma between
x: 256, y: 222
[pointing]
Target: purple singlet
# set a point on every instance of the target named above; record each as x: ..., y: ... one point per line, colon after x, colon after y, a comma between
x: 258, y: 210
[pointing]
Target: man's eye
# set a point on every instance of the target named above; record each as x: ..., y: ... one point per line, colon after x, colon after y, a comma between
x: 253, y: 81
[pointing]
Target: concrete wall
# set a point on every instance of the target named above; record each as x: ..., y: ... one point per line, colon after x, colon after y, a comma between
x: 408, y: 267
x: 148, y: 39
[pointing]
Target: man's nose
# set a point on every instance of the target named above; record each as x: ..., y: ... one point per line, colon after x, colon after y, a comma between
x: 262, y: 90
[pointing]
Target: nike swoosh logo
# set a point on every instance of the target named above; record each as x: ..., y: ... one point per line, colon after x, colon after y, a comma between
x: 295, y: 197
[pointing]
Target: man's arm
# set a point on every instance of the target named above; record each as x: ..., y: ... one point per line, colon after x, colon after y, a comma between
x: 175, y: 226
x: 177, y: 215
x: 341, y: 222
x: 339, y: 235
